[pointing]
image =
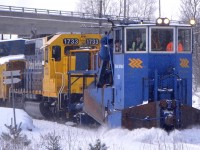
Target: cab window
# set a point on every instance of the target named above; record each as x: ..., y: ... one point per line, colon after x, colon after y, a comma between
x: 136, y: 40
x: 56, y: 53
x: 184, y: 40
x: 118, y: 41
x: 30, y: 48
x: 162, y: 40
x: 68, y: 48
x: 46, y: 55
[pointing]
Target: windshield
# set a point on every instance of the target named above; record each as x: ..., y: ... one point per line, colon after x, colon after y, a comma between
x: 136, y: 40
x: 162, y: 40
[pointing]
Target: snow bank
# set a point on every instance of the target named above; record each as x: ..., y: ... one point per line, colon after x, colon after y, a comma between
x: 6, y: 59
x: 21, y: 117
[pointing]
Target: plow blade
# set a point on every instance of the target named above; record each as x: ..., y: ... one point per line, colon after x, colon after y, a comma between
x: 37, y: 110
x: 148, y: 115
x: 189, y: 116
x: 93, y: 108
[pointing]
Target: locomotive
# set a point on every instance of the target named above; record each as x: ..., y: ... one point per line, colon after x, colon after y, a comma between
x: 116, y: 80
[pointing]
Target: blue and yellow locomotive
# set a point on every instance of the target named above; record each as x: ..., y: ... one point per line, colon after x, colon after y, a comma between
x: 139, y: 75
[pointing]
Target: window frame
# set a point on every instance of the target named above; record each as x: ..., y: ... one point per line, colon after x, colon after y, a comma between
x: 125, y: 38
x: 46, y: 54
x: 191, y: 42
x: 114, y: 39
x: 58, y: 58
x: 164, y: 27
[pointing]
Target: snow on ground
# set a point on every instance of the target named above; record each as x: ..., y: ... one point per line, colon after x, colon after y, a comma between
x: 74, y: 138
x: 6, y: 117
x: 196, y: 100
x: 77, y: 138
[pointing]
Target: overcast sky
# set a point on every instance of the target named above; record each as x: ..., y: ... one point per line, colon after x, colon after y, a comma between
x: 69, y: 5
x: 169, y: 8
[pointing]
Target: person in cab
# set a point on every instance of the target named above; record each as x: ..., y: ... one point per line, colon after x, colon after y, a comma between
x: 138, y: 44
x: 170, y: 45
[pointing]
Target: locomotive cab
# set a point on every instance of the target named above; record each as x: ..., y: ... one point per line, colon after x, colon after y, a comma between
x: 151, y: 78
x: 147, y: 51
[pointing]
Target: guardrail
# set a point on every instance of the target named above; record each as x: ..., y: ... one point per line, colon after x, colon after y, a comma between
x: 56, y: 12
x: 71, y: 14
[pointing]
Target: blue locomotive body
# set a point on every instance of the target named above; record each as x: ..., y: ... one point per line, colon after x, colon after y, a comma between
x: 148, y: 80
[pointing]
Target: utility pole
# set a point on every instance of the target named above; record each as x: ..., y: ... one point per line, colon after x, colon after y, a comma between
x: 159, y: 9
x: 9, y: 79
x: 124, y: 8
x: 100, y: 16
x: 13, y: 101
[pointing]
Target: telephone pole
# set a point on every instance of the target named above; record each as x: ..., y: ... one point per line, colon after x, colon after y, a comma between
x: 124, y: 8
x: 159, y: 9
x: 100, y: 16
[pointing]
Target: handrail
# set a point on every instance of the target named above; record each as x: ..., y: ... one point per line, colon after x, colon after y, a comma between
x: 62, y: 86
x: 73, y: 14
x: 59, y: 12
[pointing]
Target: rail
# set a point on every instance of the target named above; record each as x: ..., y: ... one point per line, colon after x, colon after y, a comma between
x: 61, y: 13
x: 75, y: 14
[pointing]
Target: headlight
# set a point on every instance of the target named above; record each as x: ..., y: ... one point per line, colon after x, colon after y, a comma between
x: 159, y: 21
x: 166, y: 21
x: 192, y: 22
x: 162, y: 21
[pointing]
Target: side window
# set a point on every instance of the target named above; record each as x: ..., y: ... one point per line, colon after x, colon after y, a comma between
x: 68, y: 48
x: 118, y: 41
x: 162, y: 40
x: 29, y: 48
x: 56, y: 53
x: 184, y: 40
x: 136, y: 39
x: 46, y: 54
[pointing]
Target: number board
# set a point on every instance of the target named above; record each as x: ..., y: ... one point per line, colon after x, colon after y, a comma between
x: 71, y: 41
x: 92, y: 41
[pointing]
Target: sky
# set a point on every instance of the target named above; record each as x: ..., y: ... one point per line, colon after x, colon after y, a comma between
x: 169, y: 8
x: 69, y: 5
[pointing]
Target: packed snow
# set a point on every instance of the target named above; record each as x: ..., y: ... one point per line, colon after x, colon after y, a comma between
x: 79, y: 138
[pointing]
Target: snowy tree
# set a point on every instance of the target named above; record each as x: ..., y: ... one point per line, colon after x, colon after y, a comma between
x: 98, y: 146
x: 14, y: 139
x: 52, y: 141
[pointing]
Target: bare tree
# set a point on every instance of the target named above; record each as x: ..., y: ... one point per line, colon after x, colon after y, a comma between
x: 136, y: 8
x: 117, y: 8
x: 89, y: 6
x: 93, y: 6
x: 142, y: 8
x: 190, y: 9
x: 105, y: 6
